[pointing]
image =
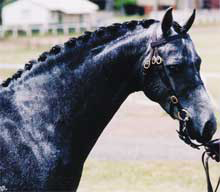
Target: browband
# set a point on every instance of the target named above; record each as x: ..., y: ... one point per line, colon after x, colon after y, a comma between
x: 165, y: 40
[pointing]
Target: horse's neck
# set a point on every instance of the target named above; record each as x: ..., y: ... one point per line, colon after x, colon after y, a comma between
x: 80, y: 102
x: 106, y: 87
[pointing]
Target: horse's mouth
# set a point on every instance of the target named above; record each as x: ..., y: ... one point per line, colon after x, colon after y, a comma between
x: 194, y: 133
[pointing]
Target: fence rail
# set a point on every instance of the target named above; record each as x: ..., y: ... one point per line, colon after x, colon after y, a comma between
x: 29, y: 30
x: 203, y: 17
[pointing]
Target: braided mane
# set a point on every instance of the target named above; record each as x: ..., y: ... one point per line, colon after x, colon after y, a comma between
x: 85, y: 42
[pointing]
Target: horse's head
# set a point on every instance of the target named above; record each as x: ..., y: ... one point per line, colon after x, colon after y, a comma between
x: 172, y: 77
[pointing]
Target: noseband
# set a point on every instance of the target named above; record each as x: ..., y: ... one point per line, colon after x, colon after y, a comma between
x: 212, y: 148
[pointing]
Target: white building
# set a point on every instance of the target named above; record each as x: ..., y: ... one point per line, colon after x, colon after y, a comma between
x: 45, y: 12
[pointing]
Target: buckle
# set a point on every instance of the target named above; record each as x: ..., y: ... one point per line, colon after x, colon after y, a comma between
x: 159, y: 60
x: 183, y: 115
x: 174, y: 99
x: 147, y: 64
x: 154, y: 60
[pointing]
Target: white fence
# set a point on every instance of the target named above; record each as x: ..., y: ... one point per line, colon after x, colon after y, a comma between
x: 30, y: 30
x: 203, y: 17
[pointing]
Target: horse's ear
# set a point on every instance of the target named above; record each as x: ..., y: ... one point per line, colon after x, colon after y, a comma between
x: 189, y: 23
x: 167, y: 21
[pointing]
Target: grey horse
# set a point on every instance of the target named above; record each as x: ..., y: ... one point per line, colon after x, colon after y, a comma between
x: 54, y: 110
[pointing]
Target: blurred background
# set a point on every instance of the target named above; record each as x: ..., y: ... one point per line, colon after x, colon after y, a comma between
x: 139, y: 150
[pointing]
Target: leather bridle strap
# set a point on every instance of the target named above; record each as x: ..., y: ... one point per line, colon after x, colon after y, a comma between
x: 182, y: 114
x: 166, y: 40
x: 184, y: 136
x: 205, y: 162
x: 167, y: 81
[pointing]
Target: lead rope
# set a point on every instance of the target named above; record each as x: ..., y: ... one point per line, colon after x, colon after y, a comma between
x: 205, y: 162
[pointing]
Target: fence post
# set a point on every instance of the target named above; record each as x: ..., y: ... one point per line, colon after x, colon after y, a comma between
x: 44, y: 29
x: 28, y: 31
x: 66, y: 29
x: 1, y: 32
x: 15, y: 32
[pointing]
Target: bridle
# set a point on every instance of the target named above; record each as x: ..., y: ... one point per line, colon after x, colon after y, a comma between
x: 212, y: 148
x: 155, y: 59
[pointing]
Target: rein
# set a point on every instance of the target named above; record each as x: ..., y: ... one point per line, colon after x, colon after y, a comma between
x: 212, y: 148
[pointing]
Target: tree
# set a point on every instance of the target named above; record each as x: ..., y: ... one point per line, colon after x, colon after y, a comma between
x: 121, y: 3
x: 2, y: 4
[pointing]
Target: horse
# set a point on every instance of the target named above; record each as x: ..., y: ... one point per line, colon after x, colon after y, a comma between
x: 53, y: 111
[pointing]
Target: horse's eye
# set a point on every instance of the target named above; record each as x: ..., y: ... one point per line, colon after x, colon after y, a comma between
x: 175, y: 69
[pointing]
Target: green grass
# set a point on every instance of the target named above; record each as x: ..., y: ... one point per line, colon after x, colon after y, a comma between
x: 148, y: 176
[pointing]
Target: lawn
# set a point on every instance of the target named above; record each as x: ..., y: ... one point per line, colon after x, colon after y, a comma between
x: 145, y: 176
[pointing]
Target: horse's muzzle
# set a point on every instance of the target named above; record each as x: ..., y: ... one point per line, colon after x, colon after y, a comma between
x: 204, y: 135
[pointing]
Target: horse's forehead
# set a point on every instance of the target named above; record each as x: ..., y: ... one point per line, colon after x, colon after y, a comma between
x: 190, y: 51
x: 173, y: 51
x: 178, y: 49
x: 175, y: 47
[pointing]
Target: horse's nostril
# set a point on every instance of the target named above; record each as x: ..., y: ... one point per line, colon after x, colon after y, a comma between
x: 208, y: 130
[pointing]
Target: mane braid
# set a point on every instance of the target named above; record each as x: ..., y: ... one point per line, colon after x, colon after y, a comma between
x: 86, y: 41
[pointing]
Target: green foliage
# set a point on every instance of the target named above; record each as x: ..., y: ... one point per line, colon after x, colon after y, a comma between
x: 5, y: 2
x: 120, y: 3
x: 2, y: 4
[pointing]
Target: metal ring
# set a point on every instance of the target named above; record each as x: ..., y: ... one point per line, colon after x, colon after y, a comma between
x: 174, y: 99
x: 154, y: 60
x: 147, y: 65
x: 159, y: 60
x: 183, y: 115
